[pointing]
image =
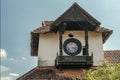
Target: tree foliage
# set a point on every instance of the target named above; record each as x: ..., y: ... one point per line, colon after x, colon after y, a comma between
x: 105, y: 72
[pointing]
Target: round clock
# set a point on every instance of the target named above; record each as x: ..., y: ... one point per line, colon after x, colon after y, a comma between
x: 72, y: 46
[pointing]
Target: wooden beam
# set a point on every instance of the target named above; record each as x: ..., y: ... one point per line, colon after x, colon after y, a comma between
x: 60, y: 47
x: 60, y: 43
x: 61, y: 31
x: 86, y: 41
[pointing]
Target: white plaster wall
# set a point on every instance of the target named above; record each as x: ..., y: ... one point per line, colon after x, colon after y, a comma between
x: 96, y: 47
x: 49, y: 46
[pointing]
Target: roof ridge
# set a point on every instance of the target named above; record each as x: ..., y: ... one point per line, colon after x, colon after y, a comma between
x: 112, y: 50
x: 27, y: 73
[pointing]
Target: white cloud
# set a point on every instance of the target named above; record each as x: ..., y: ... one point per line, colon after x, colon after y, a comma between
x: 11, y: 76
x: 13, y: 60
x: 6, y: 78
x: 3, y: 53
x: 14, y: 74
x: 23, y: 58
x: 4, y: 68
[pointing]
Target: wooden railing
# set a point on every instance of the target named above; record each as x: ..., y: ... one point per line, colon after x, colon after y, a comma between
x: 74, y: 60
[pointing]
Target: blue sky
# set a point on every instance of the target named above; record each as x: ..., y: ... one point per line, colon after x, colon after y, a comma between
x: 20, y: 17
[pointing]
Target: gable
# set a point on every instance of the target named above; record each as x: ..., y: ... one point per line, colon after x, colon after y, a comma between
x: 75, y: 14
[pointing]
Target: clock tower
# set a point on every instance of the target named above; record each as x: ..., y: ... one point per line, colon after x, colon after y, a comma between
x: 74, y: 39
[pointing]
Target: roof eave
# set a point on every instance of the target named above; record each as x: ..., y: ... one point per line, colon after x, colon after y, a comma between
x: 109, y: 33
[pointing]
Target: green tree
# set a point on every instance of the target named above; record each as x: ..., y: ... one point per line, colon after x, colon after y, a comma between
x: 104, y: 72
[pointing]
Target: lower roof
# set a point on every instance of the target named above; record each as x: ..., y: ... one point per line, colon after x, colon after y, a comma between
x: 112, y: 57
x: 50, y: 72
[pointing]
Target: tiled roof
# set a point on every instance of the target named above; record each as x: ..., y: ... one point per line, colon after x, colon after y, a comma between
x: 52, y: 73
x: 47, y: 23
x: 112, y: 56
x: 45, y: 27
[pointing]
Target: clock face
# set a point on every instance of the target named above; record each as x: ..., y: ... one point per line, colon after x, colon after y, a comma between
x: 72, y: 46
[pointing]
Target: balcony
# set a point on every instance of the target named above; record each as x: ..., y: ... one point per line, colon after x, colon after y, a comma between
x: 84, y: 60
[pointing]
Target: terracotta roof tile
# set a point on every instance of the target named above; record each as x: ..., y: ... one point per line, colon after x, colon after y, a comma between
x: 102, y: 29
x: 105, y: 33
x: 47, y: 23
x: 51, y: 72
x: 112, y: 56
x: 45, y: 27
